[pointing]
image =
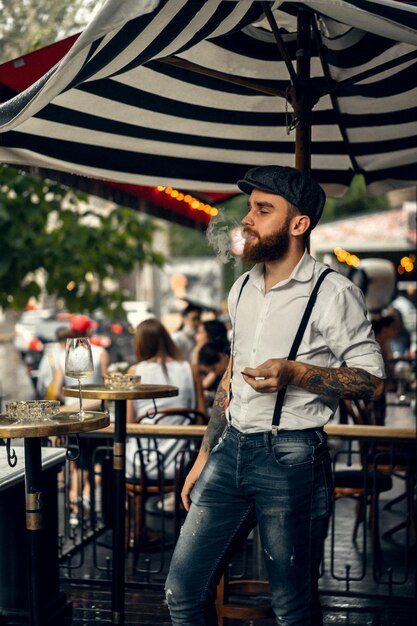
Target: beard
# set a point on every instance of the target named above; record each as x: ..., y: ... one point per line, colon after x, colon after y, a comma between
x: 269, y: 248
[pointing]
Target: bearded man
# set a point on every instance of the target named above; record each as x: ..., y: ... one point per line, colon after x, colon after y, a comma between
x: 264, y: 457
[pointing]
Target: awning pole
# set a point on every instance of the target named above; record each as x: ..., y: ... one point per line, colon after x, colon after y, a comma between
x: 303, y: 104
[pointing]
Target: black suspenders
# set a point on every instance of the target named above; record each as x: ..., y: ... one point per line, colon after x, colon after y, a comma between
x: 232, y: 347
x: 295, y: 345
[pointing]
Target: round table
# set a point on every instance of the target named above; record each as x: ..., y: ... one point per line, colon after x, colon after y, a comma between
x: 32, y: 433
x: 120, y: 397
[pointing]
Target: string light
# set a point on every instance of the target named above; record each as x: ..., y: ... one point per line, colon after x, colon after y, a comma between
x: 193, y: 203
x: 406, y: 264
x: 345, y: 257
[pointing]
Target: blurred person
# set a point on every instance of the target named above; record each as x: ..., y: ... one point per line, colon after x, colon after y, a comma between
x: 212, y: 361
x: 385, y: 329
x: 210, y: 331
x: 184, y: 337
x: 264, y: 457
x: 121, y: 347
x: 50, y: 362
x: 401, y: 342
x: 160, y: 362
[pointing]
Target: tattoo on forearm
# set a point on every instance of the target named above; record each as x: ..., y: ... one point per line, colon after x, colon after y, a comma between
x: 343, y: 382
x: 217, y: 421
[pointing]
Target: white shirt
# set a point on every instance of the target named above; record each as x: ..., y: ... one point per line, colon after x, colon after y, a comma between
x: 185, y: 341
x: 265, y: 324
x: 179, y: 374
x: 52, y: 358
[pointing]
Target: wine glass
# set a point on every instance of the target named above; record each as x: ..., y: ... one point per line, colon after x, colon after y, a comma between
x: 78, y: 364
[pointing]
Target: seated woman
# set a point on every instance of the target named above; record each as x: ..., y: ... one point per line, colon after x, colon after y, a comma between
x: 160, y: 362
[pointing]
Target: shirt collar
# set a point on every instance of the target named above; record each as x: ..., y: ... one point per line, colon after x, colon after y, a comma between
x: 302, y: 272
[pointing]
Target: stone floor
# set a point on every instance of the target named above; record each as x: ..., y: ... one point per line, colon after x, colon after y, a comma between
x: 145, y: 607
x: 367, y: 602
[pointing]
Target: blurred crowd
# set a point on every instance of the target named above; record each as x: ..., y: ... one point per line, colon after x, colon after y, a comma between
x: 201, y: 341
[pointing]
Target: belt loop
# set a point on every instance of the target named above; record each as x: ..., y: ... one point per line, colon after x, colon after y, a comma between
x: 320, y: 433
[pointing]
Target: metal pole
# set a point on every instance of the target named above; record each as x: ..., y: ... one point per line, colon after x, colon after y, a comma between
x: 303, y: 103
x: 34, y: 528
x: 118, y: 552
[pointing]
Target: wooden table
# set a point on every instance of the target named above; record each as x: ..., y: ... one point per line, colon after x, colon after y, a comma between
x: 103, y: 392
x: 32, y: 433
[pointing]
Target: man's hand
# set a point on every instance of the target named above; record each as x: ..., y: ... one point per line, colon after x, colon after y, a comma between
x: 270, y: 376
x: 192, y: 478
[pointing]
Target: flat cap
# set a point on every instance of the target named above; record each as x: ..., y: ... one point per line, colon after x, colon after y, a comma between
x: 295, y: 186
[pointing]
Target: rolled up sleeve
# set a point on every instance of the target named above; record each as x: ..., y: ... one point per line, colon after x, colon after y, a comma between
x: 349, y: 333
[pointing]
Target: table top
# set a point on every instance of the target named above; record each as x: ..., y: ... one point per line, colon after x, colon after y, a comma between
x: 60, y: 424
x: 103, y: 392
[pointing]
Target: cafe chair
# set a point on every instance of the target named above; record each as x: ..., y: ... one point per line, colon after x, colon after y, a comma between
x: 396, y: 460
x: 399, y: 461
x: 142, y: 485
x: 245, y: 599
x: 364, y: 484
x: 245, y: 596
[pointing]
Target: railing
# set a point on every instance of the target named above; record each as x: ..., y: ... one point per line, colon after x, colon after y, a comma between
x: 376, y: 560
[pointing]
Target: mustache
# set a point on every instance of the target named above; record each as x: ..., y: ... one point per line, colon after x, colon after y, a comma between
x: 246, y: 231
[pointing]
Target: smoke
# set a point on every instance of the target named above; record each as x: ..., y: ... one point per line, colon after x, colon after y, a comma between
x: 224, y: 233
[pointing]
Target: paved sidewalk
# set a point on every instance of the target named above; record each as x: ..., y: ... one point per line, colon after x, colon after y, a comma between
x: 6, y: 331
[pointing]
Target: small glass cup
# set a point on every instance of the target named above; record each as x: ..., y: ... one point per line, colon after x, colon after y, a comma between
x: 121, y: 382
x: 32, y: 410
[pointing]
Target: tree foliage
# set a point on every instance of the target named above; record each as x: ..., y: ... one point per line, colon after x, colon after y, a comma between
x: 184, y: 241
x: 50, y: 239
x: 29, y: 24
x: 356, y: 200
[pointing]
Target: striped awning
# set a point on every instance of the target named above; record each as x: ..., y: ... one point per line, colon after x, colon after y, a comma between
x: 190, y: 94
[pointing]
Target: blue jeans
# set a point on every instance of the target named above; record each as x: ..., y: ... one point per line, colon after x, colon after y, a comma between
x: 284, y: 484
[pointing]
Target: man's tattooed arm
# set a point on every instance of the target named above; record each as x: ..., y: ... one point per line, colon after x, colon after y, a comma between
x: 343, y: 382
x: 214, y: 429
x: 217, y: 421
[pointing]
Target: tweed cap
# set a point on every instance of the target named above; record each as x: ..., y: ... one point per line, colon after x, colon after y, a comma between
x: 295, y: 186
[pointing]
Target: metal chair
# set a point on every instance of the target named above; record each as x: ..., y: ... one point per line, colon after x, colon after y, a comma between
x: 363, y: 484
x: 142, y: 486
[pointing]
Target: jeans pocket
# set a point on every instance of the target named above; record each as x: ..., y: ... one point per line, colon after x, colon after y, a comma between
x: 294, y: 453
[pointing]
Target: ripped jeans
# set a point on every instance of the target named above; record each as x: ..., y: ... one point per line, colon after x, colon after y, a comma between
x: 284, y: 484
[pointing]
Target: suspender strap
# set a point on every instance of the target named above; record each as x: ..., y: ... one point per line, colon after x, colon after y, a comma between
x: 232, y: 346
x: 296, y: 344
